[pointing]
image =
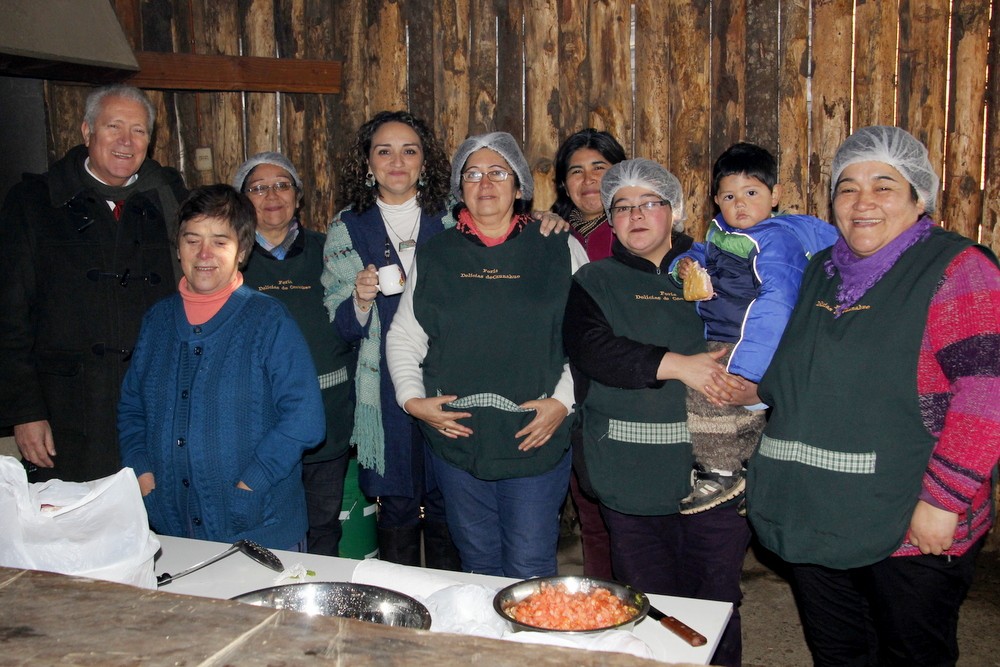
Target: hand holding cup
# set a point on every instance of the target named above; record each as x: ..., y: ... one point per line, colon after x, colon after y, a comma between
x: 366, y: 285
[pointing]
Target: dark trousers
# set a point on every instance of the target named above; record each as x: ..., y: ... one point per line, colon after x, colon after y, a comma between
x: 696, y: 555
x: 426, y: 502
x: 898, y: 611
x: 324, y: 484
x: 593, y: 534
x: 421, y: 517
x: 404, y: 520
x: 400, y: 511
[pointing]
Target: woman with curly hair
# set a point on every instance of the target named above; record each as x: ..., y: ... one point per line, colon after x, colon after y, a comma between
x: 393, y: 196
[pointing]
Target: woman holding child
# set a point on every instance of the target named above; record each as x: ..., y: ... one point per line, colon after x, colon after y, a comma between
x: 629, y: 331
x: 873, y: 476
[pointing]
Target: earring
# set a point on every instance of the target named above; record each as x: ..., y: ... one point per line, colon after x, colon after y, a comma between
x: 422, y: 181
x: 370, y: 179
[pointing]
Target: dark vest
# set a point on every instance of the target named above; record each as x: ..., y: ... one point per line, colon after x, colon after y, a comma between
x: 839, y: 470
x: 636, y: 442
x: 295, y: 281
x: 494, y: 319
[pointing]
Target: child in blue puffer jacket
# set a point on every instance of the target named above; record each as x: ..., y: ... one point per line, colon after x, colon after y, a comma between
x: 755, y: 261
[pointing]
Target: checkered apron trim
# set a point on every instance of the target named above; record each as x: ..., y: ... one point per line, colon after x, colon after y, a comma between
x: 489, y: 401
x: 646, y: 433
x: 328, y: 380
x: 792, y: 450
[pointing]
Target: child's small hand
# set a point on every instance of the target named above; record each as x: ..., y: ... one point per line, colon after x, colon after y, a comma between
x: 684, y: 266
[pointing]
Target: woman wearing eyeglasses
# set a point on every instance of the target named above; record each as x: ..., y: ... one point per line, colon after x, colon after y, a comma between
x: 286, y: 262
x: 476, y: 356
x: 629, y: 332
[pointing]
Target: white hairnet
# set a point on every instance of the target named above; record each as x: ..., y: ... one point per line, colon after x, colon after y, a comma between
x: 504, y: 144
x: 644, y: 174
x: 895, y: 147
x: 268, y: 157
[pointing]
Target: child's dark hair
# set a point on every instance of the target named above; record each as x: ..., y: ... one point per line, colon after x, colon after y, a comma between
x: 747, y: 159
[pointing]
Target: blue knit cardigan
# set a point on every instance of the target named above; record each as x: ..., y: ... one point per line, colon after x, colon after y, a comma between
x: 205, y: 407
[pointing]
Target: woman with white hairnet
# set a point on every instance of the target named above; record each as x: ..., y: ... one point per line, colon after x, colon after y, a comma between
x: 873, y: 477
x: 475, y: 353
x: 286, y: 262
x: 631, y: 334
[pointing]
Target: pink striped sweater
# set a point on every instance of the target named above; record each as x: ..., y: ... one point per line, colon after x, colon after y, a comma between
x: 958, y: 379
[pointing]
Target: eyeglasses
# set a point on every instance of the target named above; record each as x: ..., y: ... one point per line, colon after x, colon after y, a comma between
x: 644, y: 207
x: 262, y: 190
x: 497, y: 176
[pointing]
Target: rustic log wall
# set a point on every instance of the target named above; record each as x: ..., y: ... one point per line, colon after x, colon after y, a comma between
x: 675, y: 80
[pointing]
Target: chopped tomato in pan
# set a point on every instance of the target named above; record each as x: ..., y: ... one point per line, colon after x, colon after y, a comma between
x: 555, y: 608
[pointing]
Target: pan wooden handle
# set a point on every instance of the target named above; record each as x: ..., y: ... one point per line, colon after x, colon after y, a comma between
x: 684, y: 631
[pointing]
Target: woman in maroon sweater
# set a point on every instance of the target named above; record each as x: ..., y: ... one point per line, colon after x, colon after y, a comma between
x: 581, y: 162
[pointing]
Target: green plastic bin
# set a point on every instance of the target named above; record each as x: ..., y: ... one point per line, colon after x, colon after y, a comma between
x: 357, y: 519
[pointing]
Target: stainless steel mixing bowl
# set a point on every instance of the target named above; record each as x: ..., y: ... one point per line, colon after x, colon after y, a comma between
x: 511, y: 595
x: 335, y: 598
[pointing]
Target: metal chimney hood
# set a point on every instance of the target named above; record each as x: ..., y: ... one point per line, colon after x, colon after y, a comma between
x: 65, y: 40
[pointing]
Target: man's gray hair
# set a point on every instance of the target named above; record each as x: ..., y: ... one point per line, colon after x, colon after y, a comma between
x: 96, y: 100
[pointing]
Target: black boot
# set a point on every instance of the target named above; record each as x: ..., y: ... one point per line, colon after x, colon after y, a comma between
x: 439, y: 551
x: 400, y: 544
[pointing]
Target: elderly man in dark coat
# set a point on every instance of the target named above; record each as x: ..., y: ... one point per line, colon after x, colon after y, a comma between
x: 85, y: 250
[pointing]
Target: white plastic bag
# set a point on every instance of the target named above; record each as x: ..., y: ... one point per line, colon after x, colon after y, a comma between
x: 92, y: 529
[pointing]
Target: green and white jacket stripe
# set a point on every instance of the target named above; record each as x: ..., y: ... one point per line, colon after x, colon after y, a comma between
x: 636, y: 442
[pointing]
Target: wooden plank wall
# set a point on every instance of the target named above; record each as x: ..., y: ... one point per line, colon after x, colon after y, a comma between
x: 706, y: 73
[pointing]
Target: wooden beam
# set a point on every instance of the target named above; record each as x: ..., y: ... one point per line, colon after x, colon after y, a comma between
x: 188, y: 71
x: 39, y: 68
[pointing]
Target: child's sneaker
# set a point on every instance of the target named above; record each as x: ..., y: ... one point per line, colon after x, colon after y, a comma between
x: 711, y: 489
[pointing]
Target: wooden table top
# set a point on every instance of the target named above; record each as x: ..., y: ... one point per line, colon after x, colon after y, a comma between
x: 48, y: 619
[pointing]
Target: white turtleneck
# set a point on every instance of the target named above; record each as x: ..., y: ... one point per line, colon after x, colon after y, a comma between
x: 402, y: 223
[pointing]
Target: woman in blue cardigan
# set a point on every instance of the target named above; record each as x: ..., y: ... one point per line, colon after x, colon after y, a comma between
x: 221, y: 399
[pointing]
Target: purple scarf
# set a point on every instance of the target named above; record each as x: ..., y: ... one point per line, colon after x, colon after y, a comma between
x: 860, y: 274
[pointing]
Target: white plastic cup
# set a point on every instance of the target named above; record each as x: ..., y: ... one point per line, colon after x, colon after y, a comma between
x: 391, y: 279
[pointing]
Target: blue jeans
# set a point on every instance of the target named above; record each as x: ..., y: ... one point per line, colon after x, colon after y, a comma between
x: 507, y: 527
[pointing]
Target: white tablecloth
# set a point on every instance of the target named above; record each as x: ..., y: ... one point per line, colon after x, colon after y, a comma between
x: 238, y: 574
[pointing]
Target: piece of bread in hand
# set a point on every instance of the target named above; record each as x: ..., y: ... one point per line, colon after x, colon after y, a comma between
x: 698, y: 284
